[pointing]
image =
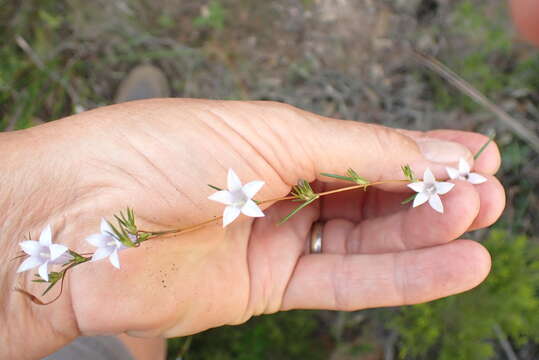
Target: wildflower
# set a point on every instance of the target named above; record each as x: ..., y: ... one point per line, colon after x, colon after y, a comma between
x: 238, y: 198
x: 430, y: 190
x: 463, y: 173
x: 42, y: 253
x: 107, y: 243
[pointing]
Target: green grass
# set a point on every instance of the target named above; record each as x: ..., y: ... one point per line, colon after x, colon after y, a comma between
x: 289, y: 335
x: 488, y: 63
x: 47, y: 78
x: 462, y: 327
x: 32, y: 91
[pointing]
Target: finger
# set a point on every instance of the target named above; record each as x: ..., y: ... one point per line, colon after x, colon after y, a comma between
x: 410, y: 228
x: 359, y: 205
x: 525, y: 14
x: 488, y: 162
x: 352, y: 282
x: 375, y: 152
x: 492, y: 202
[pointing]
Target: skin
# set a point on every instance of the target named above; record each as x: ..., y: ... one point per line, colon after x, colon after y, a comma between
x: 525, y: 14
x: 99, y: 162
x: 157, y: 156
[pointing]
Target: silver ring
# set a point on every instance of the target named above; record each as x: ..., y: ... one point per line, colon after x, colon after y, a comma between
x: 315, y: 243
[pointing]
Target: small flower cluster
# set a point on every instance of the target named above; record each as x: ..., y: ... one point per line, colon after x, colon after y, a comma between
x: 108, y: 242
x: 237, y: 198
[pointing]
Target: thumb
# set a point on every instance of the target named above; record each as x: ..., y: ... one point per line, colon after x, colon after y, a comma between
x: 373, y: 151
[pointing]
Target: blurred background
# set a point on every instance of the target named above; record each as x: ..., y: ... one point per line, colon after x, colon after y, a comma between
x: 348, y: 59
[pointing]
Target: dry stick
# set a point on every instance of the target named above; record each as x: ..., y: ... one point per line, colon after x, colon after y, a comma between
x: 513, y: 124
x: 389, y: 346
x: 506, y: 345
x: 23, y: 44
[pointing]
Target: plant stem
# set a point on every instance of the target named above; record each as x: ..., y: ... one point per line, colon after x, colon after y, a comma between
x: 154, y: 234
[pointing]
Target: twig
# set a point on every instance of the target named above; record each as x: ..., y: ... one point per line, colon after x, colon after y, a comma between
x: 513, y: 124
x: 185, y: 347
x: 23, y: 44
x: 506, y: 345
x: 389, y: 346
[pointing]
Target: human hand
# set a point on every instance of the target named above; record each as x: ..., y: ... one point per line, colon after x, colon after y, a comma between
x: 525, y: 14
x: 157, y: 156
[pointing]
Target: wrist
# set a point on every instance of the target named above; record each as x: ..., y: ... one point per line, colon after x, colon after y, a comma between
x: 24, y: 207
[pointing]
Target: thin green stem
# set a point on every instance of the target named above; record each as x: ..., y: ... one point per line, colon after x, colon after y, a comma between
x: 490, y: 139
x: 154, y: 234
x: 296, y: 210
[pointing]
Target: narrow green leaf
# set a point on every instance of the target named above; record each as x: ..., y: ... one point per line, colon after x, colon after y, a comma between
x: 490, y: 139
x: 76, y: 257
x: 53, y: 282
x: 114, y: 230
x: 303, y: 190
x: 122, y: 236
x: 356, y: 178
x: 131, y: 215
x: 340, y: 177
x: 120, y: 221
x: 214, y: 187
x: 408, y: 199
x: 143, y: 237
x: 408, y: 173
x: 296, y: 210
x: 48, y: 288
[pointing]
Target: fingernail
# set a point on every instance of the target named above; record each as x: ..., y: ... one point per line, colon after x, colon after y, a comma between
x: 442, y: 151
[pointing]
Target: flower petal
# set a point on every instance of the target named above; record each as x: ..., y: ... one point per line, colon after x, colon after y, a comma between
x: 102, y: 253
x: 43, y: 271
x: 114, y: 259
x: 436, y: 203
x: 251, y: 188
x: 475, y: 178
x: 443, y: 187
x: 420, y: 199
x: 31, y: 247
x: 98, y: 240
x: 223, y: 197
x: 30, y: 263
x: 464, y: 167
x: 105, y: 227
x: 251, y: 209
x: 233, y: 181
x: 120, y: 245
x: 417, y: 186
x: 45, y: 238
x: 428, y: 177
x: 57, y: 250
x: 230, y: 214
x: 453, y: 173
x: 62, y: 259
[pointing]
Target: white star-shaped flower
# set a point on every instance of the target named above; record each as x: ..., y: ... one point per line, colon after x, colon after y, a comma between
x: 238, y: 198
x: 42, y: 253
x: 430, y: 190
x: 463, y: 173
x: 107, y: 243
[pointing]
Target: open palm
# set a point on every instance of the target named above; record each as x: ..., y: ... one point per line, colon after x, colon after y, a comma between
x: 157, y: 157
